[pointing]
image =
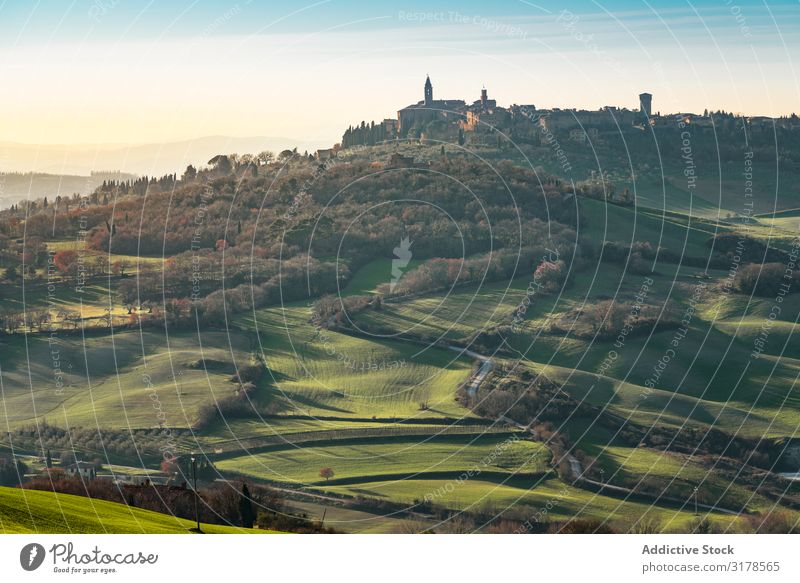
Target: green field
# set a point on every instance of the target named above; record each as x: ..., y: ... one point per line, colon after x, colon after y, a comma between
x: 678, y: 233
x: 116, y: 381
x: 333, y: 374
x: 232, y: 437
x: 368, y: 460
x: 32, y: 511
x: 133, y: 262
x: 678, y: 472
x: 671, y: 195
x: 717, y: 348
x: 466, y: 309
x: 367, y: 279
x: 60, y: 295
x: 382, y: 412
x: 549, y: 500
x: 92, y: 302
x: 348, y: 520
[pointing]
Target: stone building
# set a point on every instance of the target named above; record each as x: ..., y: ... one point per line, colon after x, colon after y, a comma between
x: 418, y: 115
x: 484, y: 115
x: 646, y: 104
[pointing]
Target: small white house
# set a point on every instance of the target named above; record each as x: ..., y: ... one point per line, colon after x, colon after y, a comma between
x: 84, y: 470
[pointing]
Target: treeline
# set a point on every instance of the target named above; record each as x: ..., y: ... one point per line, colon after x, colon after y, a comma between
x: 12, y: 470
x: 266, y: 230
x: 225, y: 504
x: 769, y: 280
x: 289, y: 207
x: 92, y: 443
x: 543, y: 245
x: 454, y: 200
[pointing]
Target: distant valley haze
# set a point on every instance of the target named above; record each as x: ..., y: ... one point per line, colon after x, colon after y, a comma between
x: 143, y: 159
x: 52, y: 169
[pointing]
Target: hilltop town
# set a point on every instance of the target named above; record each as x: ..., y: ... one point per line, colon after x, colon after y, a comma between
x: 483, y: 121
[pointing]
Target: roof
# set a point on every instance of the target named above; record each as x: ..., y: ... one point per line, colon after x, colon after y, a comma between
x: 81, y: 465
x: 437, y: 104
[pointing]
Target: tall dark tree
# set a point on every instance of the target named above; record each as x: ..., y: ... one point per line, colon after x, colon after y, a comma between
x: 246, y: 511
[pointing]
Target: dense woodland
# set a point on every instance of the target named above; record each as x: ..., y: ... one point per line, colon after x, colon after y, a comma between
x: 249, y: 231
x: 269, y: 230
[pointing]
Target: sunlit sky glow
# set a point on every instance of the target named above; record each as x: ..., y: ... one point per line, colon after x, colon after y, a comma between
x: 114, y: 71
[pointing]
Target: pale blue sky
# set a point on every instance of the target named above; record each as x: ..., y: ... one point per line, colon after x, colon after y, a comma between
x: 132, y: 72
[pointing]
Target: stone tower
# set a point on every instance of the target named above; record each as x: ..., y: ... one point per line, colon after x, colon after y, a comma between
x: 428, y: 91
x: 646, y: 104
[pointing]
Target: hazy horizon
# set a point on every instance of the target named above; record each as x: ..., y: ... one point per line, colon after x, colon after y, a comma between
x: 154, y: 158
x: 109, y: 73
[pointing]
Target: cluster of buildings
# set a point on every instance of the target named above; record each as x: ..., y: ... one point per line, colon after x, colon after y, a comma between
x: 480, y: 121
x: 440, y: 119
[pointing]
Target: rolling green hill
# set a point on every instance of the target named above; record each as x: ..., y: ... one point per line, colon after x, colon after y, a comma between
x: 32, y: 511
x: 380, y: 396
x: 325, y: 373
x: 114, y: 380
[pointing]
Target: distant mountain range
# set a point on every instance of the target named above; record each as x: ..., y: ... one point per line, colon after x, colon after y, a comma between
x: 64, y: 169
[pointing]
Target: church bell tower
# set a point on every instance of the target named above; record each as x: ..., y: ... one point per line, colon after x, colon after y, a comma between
x: 428, y: 91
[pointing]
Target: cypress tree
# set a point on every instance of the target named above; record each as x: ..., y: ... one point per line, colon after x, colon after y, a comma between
x: 246, y: 512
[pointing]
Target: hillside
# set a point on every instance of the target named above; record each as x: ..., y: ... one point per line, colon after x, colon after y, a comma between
x: 30, y: 511
x: 364, y: 334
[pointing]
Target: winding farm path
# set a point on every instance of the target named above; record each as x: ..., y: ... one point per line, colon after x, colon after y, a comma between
x: 487, y: 366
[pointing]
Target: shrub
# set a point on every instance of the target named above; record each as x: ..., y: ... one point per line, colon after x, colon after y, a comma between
x: 774, y: 522
x: 766, y: 280
x: 582, y: 526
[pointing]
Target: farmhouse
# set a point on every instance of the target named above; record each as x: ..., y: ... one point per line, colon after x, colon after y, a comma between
x: 84, y: 470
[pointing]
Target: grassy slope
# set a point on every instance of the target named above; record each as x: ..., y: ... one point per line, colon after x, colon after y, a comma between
x: 709, y: 384
x: 97, y: 295
x: 415, y: 456
x: 231, y: 430
x: 132, y: 261
x: 331, y: 376
x: 463, y: 311
x: 548, y: 499
x: 342, y: 376
x: 105, y: 382
x: 671, y: 195
x: 91, y: 303
x: 368, y: 278
x: 608, y: 222
x: 347, y: 520
x: 31, y: 511
x: 680, y: 473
